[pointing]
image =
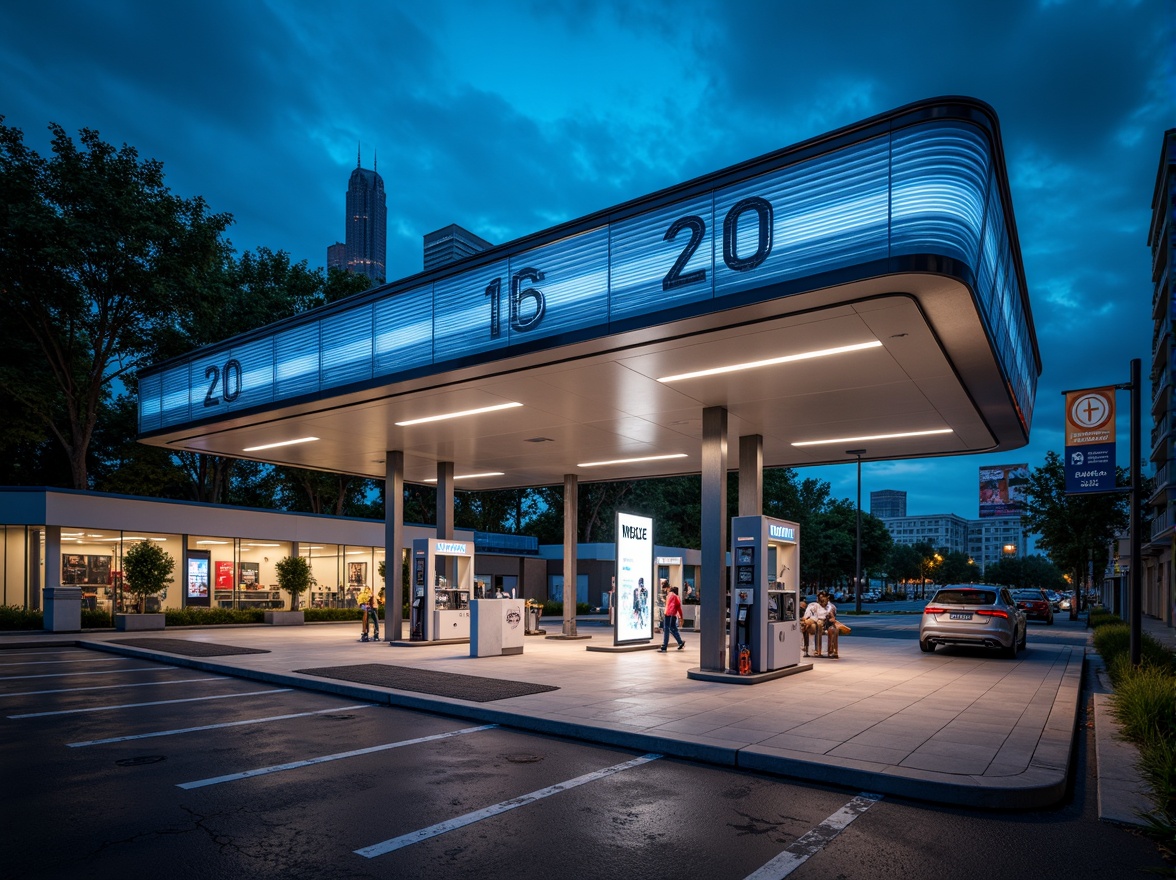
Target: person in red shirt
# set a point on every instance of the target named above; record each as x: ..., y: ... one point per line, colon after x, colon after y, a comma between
x: 671, y: 620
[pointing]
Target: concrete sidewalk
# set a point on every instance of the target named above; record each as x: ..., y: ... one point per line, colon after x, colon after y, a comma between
x: 949, y: 727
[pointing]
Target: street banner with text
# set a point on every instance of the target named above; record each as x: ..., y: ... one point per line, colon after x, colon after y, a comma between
x: 1090, y: 440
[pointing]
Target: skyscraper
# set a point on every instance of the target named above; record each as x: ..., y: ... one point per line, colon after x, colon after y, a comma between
x: 887, y: 503
x: 365, y: 238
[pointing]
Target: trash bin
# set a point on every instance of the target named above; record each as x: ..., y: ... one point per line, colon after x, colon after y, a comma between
x: 533, y: 613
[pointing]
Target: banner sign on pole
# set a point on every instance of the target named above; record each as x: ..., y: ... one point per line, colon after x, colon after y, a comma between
x: 1090, y: 440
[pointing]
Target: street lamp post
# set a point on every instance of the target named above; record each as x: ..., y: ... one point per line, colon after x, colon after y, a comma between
x: 857, y: 577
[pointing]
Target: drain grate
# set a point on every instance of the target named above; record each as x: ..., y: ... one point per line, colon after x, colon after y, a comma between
x: 141, y: 760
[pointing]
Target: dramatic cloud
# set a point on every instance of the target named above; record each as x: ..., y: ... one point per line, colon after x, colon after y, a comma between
x: 510, y: 117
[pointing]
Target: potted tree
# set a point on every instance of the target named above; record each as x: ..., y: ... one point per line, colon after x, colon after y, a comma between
x: 295, y: 578
x: 147, y: 570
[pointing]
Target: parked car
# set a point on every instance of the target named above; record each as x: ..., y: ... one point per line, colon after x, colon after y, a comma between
x: 1065, y: 601
x: 1035, y: 604
x: 1055, y: 599
x: 976, y: 615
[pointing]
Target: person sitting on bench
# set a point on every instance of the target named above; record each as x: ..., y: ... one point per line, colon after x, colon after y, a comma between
x: 820, y: 617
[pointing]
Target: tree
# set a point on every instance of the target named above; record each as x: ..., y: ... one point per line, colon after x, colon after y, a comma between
x: 1073, y: 529
x: 294, y: 577
x: 99, y: 262
x: 956, y: 568
x: 147, y: 569
x: 905, y: 563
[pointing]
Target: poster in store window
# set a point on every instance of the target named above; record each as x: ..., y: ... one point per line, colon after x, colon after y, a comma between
x: 224, y: 574
x: 250, y: 575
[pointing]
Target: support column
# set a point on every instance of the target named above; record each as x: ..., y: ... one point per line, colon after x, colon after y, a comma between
x: 571, y: 531
x: 445, y: 500
x: 393, y: 545
x: 712, y: 650
x: 751, y: 475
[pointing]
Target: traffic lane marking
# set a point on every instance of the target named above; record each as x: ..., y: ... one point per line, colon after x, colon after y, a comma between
x: 395, y: 843
x: 156, y: 703
x: 106, y: 687
x: 159, y: 668
x: 812, y: 842
x: 79, y: 660
x: 338, y: 756
x: 223, y: 724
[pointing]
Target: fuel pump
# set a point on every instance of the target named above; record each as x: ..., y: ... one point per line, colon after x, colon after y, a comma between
x: 765, y: 630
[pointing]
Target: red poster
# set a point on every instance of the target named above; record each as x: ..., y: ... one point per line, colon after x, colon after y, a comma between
x: 224, y: 575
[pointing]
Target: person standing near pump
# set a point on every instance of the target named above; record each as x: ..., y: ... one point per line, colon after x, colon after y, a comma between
x: 670, y: 622
x: 367, y: 604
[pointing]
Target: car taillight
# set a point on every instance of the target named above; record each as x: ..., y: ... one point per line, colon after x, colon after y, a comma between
x: 934, y: 609
x: 994, y: 612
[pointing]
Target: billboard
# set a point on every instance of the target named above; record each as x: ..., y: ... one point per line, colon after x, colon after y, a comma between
x: 635, y: 594
x: 1002, y: 489
x: 1090, y: 440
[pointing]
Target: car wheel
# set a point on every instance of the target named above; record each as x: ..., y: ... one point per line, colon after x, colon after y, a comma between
x: 1024, y: 638
x: 926, y: 646
x: 1011, y: 651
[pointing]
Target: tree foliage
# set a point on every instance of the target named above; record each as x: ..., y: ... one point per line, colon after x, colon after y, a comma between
x: 147, y: 569
x: 100, y: 262
x: 1073, y: 529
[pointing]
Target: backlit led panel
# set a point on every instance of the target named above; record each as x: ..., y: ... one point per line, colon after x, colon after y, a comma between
x: 296, y: 353
x: 939, y: 182
x: 924, y: 189
x: 404, y: 331
x: 662, y: 259
x: 347, y: 347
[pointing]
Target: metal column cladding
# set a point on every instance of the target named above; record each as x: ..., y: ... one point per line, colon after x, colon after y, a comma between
x: 925, y: 184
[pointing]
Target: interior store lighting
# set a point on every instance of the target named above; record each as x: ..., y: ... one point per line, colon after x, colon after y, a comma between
x: 282, y: 443
x: 872, y: 437
x: 588, y: 464
x: 770, y: 362
x: 457, y: 415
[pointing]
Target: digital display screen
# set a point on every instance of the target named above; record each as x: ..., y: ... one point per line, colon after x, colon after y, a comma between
x: 633, y: 619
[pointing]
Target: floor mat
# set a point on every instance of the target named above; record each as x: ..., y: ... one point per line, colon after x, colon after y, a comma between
x: 187, y: 648
x: 426, y: 681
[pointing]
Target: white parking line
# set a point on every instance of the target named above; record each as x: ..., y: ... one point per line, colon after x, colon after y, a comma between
x: 814, y: 841
x: 79, y: 660
x: 156, y: 703
x: 106, y: 687
x: 72, y: 674
x: 395, y: 843
x: 338, y: 756
x: 178, y: 730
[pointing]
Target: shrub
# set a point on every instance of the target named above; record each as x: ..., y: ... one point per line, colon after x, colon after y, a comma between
x: 14, y: 617
x: 1101, y: 617
x: 320, y: 615
x: 552, y: 608
x: 294, y: 577
x: 1144, y: 701
x: 211, y: 616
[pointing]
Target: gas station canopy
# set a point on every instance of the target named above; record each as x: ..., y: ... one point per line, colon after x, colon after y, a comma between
x: 863, y: 288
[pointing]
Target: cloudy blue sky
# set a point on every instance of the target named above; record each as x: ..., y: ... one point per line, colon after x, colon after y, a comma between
x: 509, y: 117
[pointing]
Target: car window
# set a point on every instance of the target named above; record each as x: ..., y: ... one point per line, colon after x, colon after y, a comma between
x: 965, y: 597
x: 1007, y: 597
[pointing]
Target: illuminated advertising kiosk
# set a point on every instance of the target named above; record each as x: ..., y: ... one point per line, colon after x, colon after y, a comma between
x: 765, y: 594
x: 636, y: 590
x: 442, y: 585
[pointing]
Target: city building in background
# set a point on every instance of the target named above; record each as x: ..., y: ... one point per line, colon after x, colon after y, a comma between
x: 888, y: 503
x: 364, y: 248
x: 993, y: 538
x: 940, y: 530
x: 1158, y: 547
x: 450, y: 244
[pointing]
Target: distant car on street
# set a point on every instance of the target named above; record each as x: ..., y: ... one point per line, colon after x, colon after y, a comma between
x: 975, y: 615
x: 1035, y: 604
